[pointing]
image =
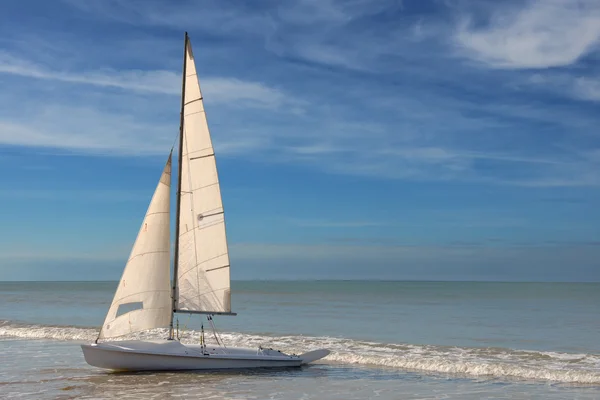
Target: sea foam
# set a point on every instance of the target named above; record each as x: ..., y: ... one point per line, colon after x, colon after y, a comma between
x: 466, y: 361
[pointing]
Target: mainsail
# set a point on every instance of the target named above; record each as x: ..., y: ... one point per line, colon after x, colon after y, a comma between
x: 202, y: 272
x: 143, y: 299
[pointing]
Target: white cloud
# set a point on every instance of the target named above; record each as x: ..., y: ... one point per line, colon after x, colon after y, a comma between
x: 586, y: 88
x: 317, y: 223
x: 49, y: 256
x: 312, y: 12
x: 87, y: 129
x: 361, y: 252
x: 106, y: 195
x: 228, y: 90
x: 95, y: 121
x: 212, y: 15
x: 569, y: 85
x: 349, y: 126
x: 267, y: 251
x: 165, y: 82
x: 543, y: 34
x: 92, y: 131
x: 218, y: 89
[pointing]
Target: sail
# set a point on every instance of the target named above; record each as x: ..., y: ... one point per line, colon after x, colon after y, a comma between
x: 203, y: 260
x: 143, y: 299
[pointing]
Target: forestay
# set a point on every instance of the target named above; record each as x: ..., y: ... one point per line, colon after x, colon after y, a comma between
x: 143, y: 299
x: 203, y: 260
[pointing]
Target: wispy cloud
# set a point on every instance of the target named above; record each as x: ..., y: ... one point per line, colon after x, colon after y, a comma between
x: 338, y: 252
x: 316, y: 223
x: 44, y: 257
x: 92, y: 131
x: 106, y: 195
x: 574, y: 85
x: 86, y: 129
x: 447, y: 254
x: 316, y: 31
x: 91, y: 118
x: 392, y: 94
x: 462, y: 261
x: 586, y: 88
x: 216, y: 17
x: 165, y: 82
x: 540, y: 34
x: 218, y: 89
x: 231, y: 90
x: 393, y: 102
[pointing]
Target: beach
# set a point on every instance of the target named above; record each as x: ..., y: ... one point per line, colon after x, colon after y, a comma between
x: 389, y: 340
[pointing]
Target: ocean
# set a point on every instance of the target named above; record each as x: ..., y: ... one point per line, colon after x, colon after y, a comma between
x: 389, y: 340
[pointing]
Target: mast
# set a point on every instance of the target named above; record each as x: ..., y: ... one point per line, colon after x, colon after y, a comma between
x: 178, y: 193
x: 202, y: 283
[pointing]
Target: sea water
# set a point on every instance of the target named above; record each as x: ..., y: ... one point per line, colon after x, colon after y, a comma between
x: 389, y: 340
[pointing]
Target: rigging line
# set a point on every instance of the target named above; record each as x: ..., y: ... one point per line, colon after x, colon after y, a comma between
x: 215, y: 332
x: 174, y: 141
x: 222, y: 342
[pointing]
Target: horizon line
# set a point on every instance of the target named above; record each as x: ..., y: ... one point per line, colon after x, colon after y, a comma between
x: 325, y: 280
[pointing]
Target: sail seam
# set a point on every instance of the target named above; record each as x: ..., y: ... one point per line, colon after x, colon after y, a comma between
x: 204, y: 312
x: 205, y: 186
x: 203, y: 262
x: 213, y: 214
x: 205, y: 226
x: 158, y: 212
x: 197, y: 112
x: 192, y: 101
x: 208, y: 155
x: 216, y: 268
x: 147, y: 252
x: 212, y: 292
x: 137, y: 293
x: 190, y: 269
x: 205, y: 293
x: 198, y: 150
x: 201, y: 205
x: 150, y: 292
x: 191, y: 211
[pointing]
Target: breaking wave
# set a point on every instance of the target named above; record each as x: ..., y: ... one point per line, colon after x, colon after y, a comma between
x: 474, y: 362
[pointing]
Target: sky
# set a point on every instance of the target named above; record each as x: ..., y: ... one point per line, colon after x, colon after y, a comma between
x: 358, y: 139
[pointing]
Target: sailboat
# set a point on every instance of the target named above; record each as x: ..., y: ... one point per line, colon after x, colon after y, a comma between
x: 145, y: 298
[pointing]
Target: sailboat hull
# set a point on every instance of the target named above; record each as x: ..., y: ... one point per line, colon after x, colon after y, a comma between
x: 172, y: 355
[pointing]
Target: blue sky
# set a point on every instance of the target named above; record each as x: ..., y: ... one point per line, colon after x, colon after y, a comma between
x: 440, y: 139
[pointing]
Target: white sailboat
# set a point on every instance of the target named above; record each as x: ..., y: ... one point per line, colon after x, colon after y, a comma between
x: 145, y: 299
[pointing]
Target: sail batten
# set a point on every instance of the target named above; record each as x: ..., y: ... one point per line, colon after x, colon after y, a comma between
x: 145, y: 279
x: 202, y: 283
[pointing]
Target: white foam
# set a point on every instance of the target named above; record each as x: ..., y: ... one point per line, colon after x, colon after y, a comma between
x: 474, y: 362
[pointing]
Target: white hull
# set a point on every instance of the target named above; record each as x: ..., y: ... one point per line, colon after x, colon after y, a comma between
x: 168, y: 355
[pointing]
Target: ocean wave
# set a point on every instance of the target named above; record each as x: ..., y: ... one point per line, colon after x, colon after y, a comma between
x: 466, y: 361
